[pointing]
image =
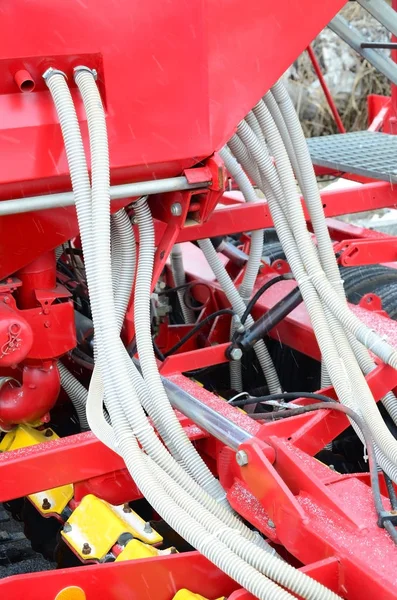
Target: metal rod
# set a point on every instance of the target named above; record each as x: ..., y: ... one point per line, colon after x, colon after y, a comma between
x: 206, y: 418
x: 380, y: 45
x: 326, y: 90
x: 117, y: 192
x: 382, y: 12
x: 351, y: 36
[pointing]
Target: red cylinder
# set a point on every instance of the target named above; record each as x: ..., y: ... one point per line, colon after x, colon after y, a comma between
x: 38, y: 275
x: 24, y: 81
x: 32, y: 400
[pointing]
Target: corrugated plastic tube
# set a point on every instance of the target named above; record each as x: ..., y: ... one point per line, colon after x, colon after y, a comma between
x: 255, y: 254
x: 186, y: 526
x: 161, y: 411
x: 116, y: 380
x: 238, y: 306
x: 76, y: 392
x: 380, y: 432
x: 382, y: 436
x: 285, y: 117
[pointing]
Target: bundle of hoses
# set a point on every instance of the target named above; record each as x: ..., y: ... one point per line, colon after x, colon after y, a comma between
x: 175, y: 481
x: 273, y: 131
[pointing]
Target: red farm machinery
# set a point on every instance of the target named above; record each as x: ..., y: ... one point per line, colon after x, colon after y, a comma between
x: 198, y: 360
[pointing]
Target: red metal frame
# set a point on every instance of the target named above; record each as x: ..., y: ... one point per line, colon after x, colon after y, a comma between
x: 327, y: 93
x: 280, y: 453
x: 324, y: 520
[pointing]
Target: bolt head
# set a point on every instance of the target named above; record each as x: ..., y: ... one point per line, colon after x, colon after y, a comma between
x: 236, y: 353
x: 147, y: 528
x: 67, y: 528
x: 271, y: 524
x: 242, y: 458
x: 46, y: 504
x: 176, y: 209
x: 86, y: 549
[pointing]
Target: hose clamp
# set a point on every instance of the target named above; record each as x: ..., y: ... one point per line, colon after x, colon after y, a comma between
x: 81, y: 68
x: 51, y: 71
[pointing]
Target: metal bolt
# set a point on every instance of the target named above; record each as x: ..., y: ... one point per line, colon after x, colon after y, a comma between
x: 147, y: 528
x: 67, y: 528
x: 47, y: 324
x: 46, y: 505
x: 238, y: 325
x: 241, y: 458
x: 127, y: 508
x: 271, y: 524
x: 48, y: 433
x: 86, y: 548
x: 236, y: 353
x: 176, y: 209
x: 134, y: 220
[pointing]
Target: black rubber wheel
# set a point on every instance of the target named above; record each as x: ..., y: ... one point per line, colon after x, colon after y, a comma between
x: 359, y: 281
x: 388, y: 294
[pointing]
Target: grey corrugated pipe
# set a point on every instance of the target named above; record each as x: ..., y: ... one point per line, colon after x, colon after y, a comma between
x: 369, y: 409
x: 272, y: 106
x: 115, y: 378
x: 238, y: 306
x: 235, y: 371
x: 255, y: 255
x: 142, y: 426
x: 179, y: 519
x: 376, y: 423
x: 290, y: 129
x: 161, y: 412
x: 178, y: 273
x: 77, y: 394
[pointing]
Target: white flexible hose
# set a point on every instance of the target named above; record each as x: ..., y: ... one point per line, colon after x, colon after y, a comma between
x: 264, y: 562
x: 161, y: 411
x: 238, y: 306
x: 255, y: 254
x: 381, y: 434
x: 295, y: 143
x: 256, y: 249
x: 216, y: 551
x: 235, y: 370
x: 76, y: 392
x: 114, y: 372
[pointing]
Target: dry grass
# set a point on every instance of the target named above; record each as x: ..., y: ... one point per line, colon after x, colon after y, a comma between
x: 363, y: 79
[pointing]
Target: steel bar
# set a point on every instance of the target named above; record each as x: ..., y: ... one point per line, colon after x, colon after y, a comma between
x: 351, y: 36
x: 117, y: 192
x: 382, y: 12
x: 204, y: 416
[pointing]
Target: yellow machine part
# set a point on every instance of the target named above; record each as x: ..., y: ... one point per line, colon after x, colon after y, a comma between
x: 95, y: 526
x: 136, y: 549
x: 71, y: 592
x: 187, y: 595
x: 49, y: 502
